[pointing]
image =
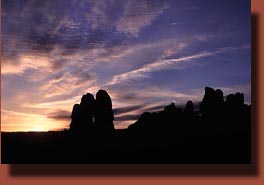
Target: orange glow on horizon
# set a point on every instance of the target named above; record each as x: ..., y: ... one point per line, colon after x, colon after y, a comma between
x: 23, y: 122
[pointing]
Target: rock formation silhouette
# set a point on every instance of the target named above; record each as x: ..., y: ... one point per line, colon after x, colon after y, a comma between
x: 212, y: 103
x: 217, y: 128
x: 93, y: 114
x: 104, y: 115
x: 217, y: 119
x: 189, y: 110
x: 216, y: 131
x: 83, y: 114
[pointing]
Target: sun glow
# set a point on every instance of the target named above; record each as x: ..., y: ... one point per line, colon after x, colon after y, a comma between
x: 16, y: 121
x: 44, y: 125
x: 39, y: 128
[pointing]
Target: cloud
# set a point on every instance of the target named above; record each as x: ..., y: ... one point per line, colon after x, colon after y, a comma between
x: 127, y: 118
x: 137, y: 15
x: 154, y: 108
x: 15, y: 113
x: 142, y: 99
x: 66, y: 84
x: 122, y: 110
x: 163, y: 64
x: 130, y: 102
x: 56, y: 73
x: 122, y: 124
x: 22, y: 63
x: 60, y: 115
x: 54, y: 104
x: 158, y: 65
x: 132, y: 112
x: 41, y: 26
x: 97, y: 15
x: 63, y: 70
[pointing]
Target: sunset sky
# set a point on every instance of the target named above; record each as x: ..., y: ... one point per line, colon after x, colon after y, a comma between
x: 145, y: 53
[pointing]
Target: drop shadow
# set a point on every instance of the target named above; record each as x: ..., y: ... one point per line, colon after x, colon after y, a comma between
x: 17, y: 170
x: 132, y: 170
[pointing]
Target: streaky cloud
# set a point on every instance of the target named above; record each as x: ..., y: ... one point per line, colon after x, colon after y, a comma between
x: 60, y: 115
x: 127, y: 117
x: 163, y: 64
x: 138, y: 14
x: 122, y: 110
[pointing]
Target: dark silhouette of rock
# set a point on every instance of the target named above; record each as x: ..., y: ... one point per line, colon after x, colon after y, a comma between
x: 219, y: 132
x: 104, y: 115
x: 207, y: 106
x: 75, y: 116
x: 211, y: 132
x: 235, y: 100
x: 216, y: 129
x: 93, y: 114
x: 219, y: 96
x: 212, y: 109
x: 170, y: 108
x: 83, y: 114
x: 189, y: 110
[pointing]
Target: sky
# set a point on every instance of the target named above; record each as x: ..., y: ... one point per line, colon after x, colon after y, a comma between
x: 146, y: 54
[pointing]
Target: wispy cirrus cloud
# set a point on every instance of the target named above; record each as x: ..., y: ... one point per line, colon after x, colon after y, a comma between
x: 60, y: 115
x: 151, y: 93
x: 122, y: 110
x: 138, y: 14
x: 130, y: 113
x: 23, y: 63
x: 100, y: 17
x: 127, y: 117
x: 14, y: 113
x: 62, y: 85
x: 162, y: 64
x: 58, y: 104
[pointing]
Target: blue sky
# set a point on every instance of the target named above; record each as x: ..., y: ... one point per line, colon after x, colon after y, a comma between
x: 146, y: 54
